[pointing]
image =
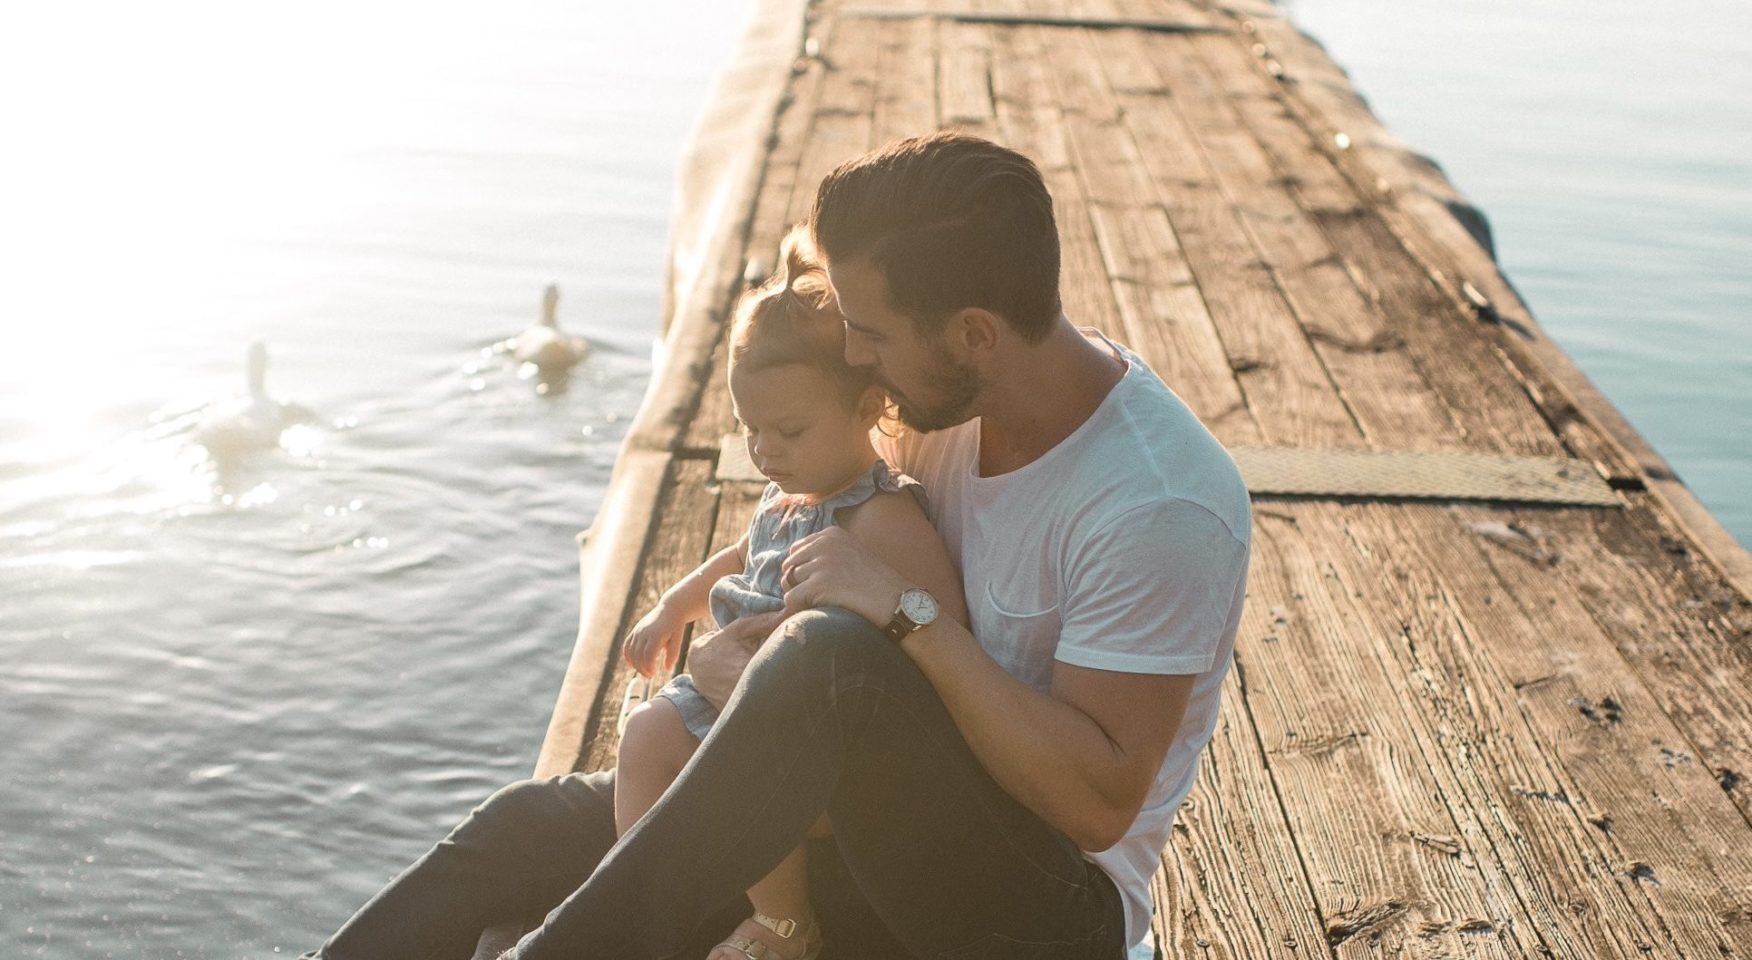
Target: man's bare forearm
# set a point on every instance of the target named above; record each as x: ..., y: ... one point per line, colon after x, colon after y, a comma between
x: 1050, y: 755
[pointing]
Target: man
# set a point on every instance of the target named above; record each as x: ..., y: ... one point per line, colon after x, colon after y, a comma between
x: 1004, y: 792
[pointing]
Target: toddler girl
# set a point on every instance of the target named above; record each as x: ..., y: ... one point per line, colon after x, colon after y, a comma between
x: 806, y: 415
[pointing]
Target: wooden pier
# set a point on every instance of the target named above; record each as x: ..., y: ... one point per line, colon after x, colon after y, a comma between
x: 1456, y: 726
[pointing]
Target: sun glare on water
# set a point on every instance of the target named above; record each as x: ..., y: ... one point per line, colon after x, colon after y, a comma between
x: 169, y: 166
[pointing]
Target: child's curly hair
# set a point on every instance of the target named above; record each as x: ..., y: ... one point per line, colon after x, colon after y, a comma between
x: 792, y: 318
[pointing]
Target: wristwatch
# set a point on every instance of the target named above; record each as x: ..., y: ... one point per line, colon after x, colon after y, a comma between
x: 917, y: 609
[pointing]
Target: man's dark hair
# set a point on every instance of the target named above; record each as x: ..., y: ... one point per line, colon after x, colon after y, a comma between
x: 949, y: 221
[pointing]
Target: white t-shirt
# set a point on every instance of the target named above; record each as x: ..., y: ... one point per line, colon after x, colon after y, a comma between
x: 1123, y: 548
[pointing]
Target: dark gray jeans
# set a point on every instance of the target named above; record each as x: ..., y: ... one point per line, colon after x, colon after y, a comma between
x: 929, y: 857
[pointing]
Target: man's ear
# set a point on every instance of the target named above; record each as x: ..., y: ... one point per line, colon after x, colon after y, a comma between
x: 976, y: 331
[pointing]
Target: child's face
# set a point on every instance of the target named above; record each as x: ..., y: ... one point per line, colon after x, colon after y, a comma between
x: 800, y: 432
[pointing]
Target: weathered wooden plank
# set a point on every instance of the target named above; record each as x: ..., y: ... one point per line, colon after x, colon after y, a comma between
x: 713, y: 415
x: 1290, y: 394
x: 1685, y: 632
x: 1233, y: 884
x: 1662, y: 824
x: 984, y: 14
x: 1525, y: 770
x: 1398, y: 863
x: 1029, y: 120
x: 845, y: 112
x: 1052, y: 14
x: 964, y: 75
x: 609, y: 557
x: 1123, y: 268
x: 1425, y: 211
x: 906, y: 90
x: 683, y: 522
x: 736, y: 503
x: 1477, y: 387
x: 1166, y: 320
x: 1390, y: 399
x: 1121, y: 263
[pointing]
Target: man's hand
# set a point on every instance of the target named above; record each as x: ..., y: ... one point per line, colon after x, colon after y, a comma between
x: 830, y: 568
x: 716, y: 660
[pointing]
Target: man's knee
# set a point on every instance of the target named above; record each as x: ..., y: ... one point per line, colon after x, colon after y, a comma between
x: 811, y: 639
x: 539, y: 812
x: 818, y: 648
x: 512, y: 807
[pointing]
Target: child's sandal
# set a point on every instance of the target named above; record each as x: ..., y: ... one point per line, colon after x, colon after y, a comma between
x: 785, y: 929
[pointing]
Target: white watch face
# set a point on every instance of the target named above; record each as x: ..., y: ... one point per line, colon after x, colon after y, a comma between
x: 919, y: 606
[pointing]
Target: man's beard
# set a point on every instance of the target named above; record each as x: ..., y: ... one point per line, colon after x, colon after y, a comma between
x: 951, y: 386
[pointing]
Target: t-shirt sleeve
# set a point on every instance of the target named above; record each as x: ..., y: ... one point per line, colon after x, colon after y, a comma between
x: 1152, y: 591
x: 897, y: 445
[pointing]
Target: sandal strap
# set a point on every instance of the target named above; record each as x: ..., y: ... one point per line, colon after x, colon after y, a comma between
x: 784, y: 928
x: 752, y: 949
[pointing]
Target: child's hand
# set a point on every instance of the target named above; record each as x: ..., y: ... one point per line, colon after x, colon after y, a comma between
x: 655, y: 639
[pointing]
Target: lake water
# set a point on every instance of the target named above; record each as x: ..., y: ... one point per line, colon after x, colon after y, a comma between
x: 1610, y: 144
x: 236, y: 704
x: 232, y: 714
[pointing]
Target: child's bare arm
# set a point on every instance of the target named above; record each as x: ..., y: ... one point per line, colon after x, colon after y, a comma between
x: 691, y: 597
x: 895, y: 529
x: 657, y: 636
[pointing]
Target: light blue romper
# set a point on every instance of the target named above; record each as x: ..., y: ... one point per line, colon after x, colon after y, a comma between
x: 779, y: 521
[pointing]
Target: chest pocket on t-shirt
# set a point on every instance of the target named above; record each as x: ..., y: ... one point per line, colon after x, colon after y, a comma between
x: 1019, y: 632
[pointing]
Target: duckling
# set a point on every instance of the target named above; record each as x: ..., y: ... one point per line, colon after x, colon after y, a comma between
x: 552, y: 352
x: 249, y: 423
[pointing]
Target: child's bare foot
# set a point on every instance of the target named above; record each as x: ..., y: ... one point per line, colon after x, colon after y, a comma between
x: 761, y: 937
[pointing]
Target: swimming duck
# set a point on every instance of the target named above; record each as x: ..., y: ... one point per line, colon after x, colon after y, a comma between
x: 252, y: 422
x: 552, y: 352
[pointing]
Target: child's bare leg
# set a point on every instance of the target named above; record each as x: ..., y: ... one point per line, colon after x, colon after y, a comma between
x: 654, y: 748
x: 782, y: 894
